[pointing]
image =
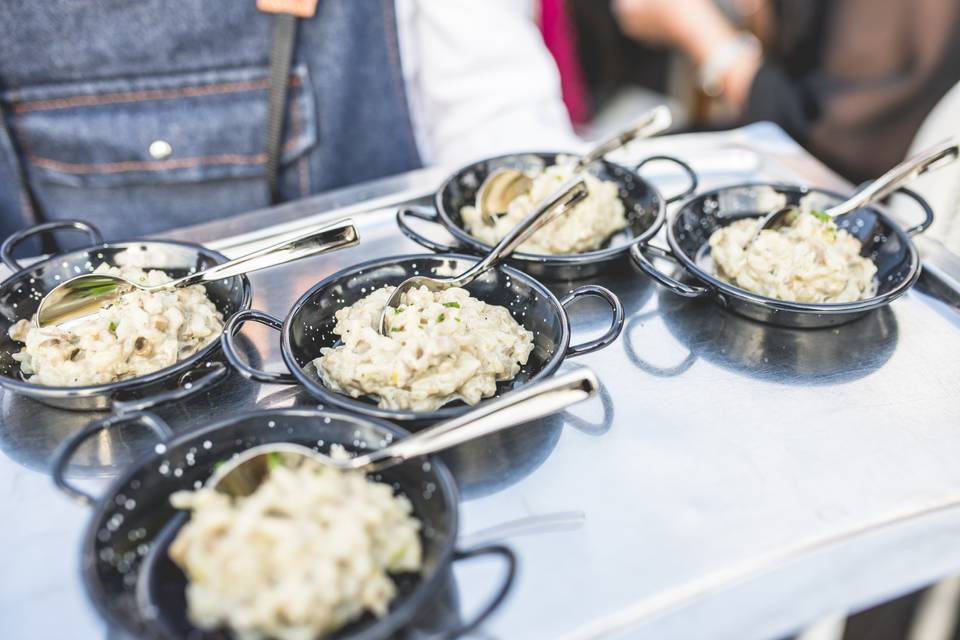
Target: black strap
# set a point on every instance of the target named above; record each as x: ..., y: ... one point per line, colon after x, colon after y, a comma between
x: 281, y: 56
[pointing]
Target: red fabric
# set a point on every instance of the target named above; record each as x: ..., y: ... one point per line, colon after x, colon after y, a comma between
x: 559, y: 35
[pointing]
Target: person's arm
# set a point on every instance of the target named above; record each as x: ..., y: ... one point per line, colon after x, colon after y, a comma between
x: 699, y: 30
x: 479, y: 80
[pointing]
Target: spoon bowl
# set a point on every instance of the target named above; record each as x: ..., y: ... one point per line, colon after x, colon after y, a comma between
x: 938, y: 156
x: 503, y: 186
x: 88, y: 294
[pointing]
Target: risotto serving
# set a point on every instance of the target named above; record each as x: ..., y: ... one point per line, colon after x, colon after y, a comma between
x: 141, y: 332
x: 809, y: 260
x: 584, y: 228
x: 309, y: 551
x: 441, y: 346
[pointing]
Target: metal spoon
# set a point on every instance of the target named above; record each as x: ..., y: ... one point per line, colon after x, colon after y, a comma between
x: 88, y: 294
x: 243, y: 474
x: 504, y: 185
x: 561, y: 201
x: 908, y: 170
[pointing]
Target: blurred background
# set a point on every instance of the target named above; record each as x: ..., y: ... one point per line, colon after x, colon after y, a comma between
x: 225, y: 106
x: 860, y: 83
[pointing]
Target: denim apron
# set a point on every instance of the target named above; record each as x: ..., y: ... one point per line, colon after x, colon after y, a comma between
x: 145, y: 115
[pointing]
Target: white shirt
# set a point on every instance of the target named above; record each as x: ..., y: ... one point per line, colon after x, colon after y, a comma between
x: 479, y: 80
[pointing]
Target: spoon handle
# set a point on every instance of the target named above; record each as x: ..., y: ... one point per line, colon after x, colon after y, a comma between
x: 513, y: 409
x: 559, y: 202
x: 933, y: 158
x: 337, y: 235
x: 655, y: 121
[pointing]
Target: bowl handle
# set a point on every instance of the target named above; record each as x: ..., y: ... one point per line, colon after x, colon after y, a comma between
x: 6, y: 249
x: 499, y: 596
x: 233, y: 354
x: 674, y: 285
x: 694, y: 180
x: 924, y: 206
x: 616, y: 326
x: 428, y: 215
x: 65, y: 453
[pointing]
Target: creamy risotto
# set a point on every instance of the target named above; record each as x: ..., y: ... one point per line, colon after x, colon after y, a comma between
x: 138, y: 334
x: 441, y: 346
x: 309, y: 551
x: 584, y: 228
x: 810, y: 260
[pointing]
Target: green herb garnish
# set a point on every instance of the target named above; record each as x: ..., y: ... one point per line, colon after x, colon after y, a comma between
x: 452, y: 305
x: 397, y: 556
x: 398, y: 310
x: 820, y: 215
x: 274, y: 461
x: 396, y: 328
x: 113, y: 326
x: 94, y: 287
x: 441, y: 317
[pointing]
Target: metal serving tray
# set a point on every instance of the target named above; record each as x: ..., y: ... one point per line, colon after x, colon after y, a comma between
x: 735, y: 481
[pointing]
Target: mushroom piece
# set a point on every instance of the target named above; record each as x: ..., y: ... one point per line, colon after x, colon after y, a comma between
x: 143, y: 347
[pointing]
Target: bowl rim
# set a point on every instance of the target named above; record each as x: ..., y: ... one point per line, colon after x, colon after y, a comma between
x: 587, y: 257
x: 345, y: 402
x: 88, y: 391
x: 397, y: 618
x: 721, y: 288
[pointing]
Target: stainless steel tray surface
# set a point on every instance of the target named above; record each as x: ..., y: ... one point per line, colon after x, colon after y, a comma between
x: 734, y: 481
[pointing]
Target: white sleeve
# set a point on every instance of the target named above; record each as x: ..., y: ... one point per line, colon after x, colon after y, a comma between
x: 479, y: 80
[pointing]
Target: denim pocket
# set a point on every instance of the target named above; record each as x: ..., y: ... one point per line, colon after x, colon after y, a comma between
x: 142, y: 154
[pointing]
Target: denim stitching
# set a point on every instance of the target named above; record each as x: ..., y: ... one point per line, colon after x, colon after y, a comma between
x: 141, y: 96
x: 160, y: 165
x: 148, y: 165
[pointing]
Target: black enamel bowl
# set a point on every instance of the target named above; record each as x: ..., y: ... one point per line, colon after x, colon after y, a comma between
x: 125, y: 567
x: 690, y: 227
x: 20, y: 295
x: 309, y: 326
x: 645, y: 211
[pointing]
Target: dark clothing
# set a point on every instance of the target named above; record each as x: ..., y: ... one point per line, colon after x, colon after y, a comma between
x: 144, y: 115
x: 609, y: 58
x: 852, y: 80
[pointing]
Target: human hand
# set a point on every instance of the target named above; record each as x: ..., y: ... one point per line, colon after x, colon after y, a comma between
x: 695, y: 27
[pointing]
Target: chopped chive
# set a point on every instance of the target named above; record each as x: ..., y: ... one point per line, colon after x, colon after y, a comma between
x: 397, y: 556
x: 398, y: 310
x: 452, y: 305
x: 396, y: 328
x: 113, y: 326
x: 274, y: 461
x: 441, y: 317
x: 820, y: 215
